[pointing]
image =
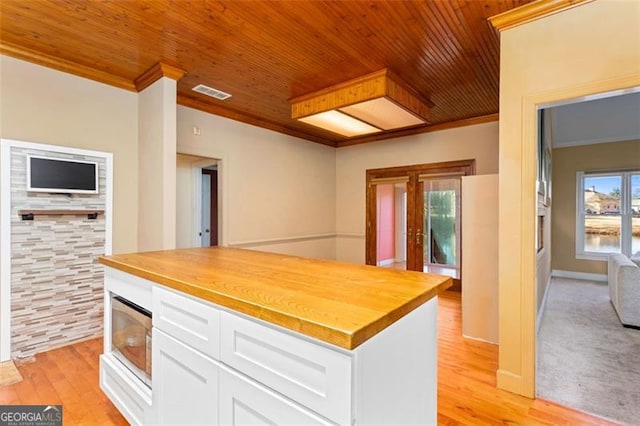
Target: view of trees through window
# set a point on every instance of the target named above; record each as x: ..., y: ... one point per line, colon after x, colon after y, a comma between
x: 441, y: 215
x: 611, y: 205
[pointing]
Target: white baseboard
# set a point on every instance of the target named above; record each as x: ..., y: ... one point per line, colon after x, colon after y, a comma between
x: 579, y: 275
x: 543, y: 305
x: 386, y: 262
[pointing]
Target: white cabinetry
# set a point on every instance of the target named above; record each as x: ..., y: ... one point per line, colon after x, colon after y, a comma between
x: 313, y: 375
x: 186, y: 346
x: 195, y: 323
x: 212, y: 365
x: 128, y: 393
x: 245, y: 402
x: 185, y: 383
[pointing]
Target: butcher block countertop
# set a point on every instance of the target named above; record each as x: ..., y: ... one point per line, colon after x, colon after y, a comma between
x: 340, y: 303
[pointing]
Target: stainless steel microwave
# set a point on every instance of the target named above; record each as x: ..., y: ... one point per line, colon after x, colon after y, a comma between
x: 131, y: 337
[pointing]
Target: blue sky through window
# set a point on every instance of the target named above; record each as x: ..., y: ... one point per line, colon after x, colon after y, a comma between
x: 606, y: 184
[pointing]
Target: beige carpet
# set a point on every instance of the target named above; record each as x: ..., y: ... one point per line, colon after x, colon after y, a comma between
x: 586, y: 359
x: 9, y: 374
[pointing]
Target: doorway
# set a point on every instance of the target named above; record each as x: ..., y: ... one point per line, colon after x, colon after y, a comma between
x: 198, y: 202
x: 209, y: 205
x: 590, y: 216
x: 413, y: 217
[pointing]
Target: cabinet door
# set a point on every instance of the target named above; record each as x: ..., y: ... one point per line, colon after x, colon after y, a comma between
x: 308, y: 373
x: 245, y: 402
x: 184, y: 383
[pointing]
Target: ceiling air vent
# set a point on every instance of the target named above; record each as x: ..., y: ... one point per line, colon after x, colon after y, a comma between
x: 210, y: 91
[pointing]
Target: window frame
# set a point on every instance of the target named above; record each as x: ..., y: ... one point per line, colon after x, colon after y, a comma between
x: 626, y: 214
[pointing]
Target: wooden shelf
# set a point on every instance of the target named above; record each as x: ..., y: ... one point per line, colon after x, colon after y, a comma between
x: 30, y: 214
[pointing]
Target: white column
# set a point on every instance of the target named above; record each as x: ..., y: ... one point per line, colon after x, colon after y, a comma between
x: 157, y: 165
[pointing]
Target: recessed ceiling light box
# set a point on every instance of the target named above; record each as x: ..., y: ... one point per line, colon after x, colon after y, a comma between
x: 373, y: 103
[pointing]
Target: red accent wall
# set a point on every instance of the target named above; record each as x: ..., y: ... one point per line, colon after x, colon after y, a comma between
x: 386, y: 222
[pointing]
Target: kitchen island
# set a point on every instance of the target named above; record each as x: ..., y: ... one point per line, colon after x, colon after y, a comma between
x: 247, y: 337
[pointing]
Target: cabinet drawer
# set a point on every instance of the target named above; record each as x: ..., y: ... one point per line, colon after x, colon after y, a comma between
x: 244, y: 402
x: 128, y: 394
x: 136, y: 289
x: 310, y: 374
x: 195, y: 323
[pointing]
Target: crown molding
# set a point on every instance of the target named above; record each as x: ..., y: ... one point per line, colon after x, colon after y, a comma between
x: 530, y: 12
x: 30, y: 55
x: 159, y: 70
x: 194, y: 103
x: 155, y: 73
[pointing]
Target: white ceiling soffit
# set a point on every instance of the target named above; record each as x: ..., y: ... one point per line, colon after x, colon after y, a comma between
x: 612, y: 119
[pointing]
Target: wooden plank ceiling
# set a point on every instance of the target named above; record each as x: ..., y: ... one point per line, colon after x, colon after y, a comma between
x: 267, y: 52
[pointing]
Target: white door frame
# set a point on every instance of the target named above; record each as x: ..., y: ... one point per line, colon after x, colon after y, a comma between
x: 5, y: 224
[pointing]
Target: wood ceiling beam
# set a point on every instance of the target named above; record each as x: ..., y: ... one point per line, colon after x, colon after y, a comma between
x: 26, y: 54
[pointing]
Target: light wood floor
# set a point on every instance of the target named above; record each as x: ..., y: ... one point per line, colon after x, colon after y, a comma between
x: 66, y: 376
x: 466, y: 384
x: 467, y: 392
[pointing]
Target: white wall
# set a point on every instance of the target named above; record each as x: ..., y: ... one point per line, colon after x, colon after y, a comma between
x: 480, y: 257
x: 479, y: 142
x: 42, y: 105
x: 184, y: 201
x: 278, y: 192
x: 157, y: 166
x: 274, y: 187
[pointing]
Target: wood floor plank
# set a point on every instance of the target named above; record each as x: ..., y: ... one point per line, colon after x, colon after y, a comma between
x: 67, y: 376
x: 467, y: 393
x: 9, y: 397
x: 25, y: 389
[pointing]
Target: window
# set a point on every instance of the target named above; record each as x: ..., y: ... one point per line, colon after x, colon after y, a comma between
x: 608, y: 214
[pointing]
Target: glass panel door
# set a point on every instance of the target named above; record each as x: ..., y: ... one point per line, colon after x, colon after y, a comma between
x: 391, y: 224
x: 413, y: 217
x: 441, y: 236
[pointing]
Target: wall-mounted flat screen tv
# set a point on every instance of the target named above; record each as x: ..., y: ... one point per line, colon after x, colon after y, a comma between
x: 56, y: 175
